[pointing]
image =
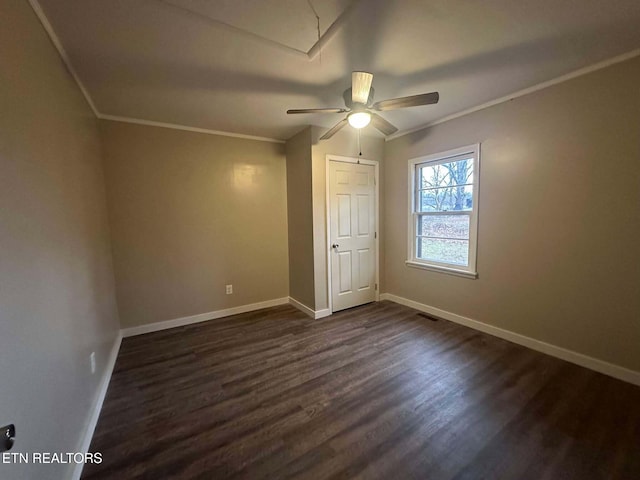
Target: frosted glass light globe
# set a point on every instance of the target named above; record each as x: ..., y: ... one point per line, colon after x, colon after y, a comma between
x: 359, y: 119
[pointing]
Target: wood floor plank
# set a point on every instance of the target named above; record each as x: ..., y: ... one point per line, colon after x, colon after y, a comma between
x: 374, y: 392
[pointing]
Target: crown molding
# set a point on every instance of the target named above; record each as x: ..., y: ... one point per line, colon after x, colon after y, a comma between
x: 328, y: 34
x: 37, y: 9
x: 175, y: 126
x: 526, y: 91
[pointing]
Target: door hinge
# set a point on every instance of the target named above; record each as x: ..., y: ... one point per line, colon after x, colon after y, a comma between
x: 375, y: 234
x: 376, y: 286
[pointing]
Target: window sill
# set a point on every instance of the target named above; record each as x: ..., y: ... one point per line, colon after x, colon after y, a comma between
x: 434, y: 268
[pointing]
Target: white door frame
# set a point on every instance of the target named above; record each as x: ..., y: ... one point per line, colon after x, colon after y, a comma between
x: 337, y: 158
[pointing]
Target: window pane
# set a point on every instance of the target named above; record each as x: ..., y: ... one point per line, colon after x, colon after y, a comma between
x: 455, y: 252
x: 446, y: 174
x: 434, y: 176
x: 446, y: 199
x: 444, y: 226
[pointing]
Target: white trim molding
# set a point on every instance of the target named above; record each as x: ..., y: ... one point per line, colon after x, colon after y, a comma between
x: 525, y: 91
x: 96, y: 409
x: 94, y: 414
x: 311, y: 54
x: 37, y: 9
x: 376, y: 173
x: 175, y: 126
x: 302, y: 307
x: 439, y: 269
x: 201, y: 317
x: 414, y: 213
x: 580, y: 359
x: 322, y: 313
x: 315, y: 314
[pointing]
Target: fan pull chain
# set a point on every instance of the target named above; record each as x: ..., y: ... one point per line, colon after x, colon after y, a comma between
x: 359, y: 146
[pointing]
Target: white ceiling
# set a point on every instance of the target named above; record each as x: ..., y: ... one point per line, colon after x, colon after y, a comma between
x: 263, y: 18
x: 237, y: 66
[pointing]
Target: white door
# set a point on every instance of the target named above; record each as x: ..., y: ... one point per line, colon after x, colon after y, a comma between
x: 352, y: 236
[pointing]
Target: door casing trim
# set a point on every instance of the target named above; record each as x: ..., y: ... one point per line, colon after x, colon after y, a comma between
x: 363, y: 161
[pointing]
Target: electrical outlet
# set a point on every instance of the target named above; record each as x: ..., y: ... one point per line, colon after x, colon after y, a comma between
x: 229, y: 289
x: 92, y: 357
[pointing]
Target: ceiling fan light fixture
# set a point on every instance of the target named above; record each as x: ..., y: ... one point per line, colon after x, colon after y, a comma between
x: 359, y: 119
x: 360, y: 107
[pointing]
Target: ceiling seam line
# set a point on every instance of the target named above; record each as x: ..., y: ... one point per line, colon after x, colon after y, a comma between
x: 331, y: 31
x: 53, y: 37
x: 40, y: 14
x: 232, y: 28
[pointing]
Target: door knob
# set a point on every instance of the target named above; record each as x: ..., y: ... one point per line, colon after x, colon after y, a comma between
x: 335, y: 245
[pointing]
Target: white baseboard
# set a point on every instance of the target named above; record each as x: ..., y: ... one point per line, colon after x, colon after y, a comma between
x: 302, y: 307
x: 315, y: 314
x: 85, y: 443
x: 591, y: 363
x: 94, y: 415
x: 325, y: 312
x: 201, y: 317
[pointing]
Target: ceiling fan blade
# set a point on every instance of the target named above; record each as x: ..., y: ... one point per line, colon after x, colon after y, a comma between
x: 381, y: 124
x: 404, y: 102
x: 317, y: 110
x: 360, y: 86
x: 334, y: 129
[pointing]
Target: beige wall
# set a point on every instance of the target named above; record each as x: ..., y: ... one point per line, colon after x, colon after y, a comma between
x: 57, y: 301
x: 300, y: 219
x: 191, y: 213
x: 559, y: 218
x: 306, y: 185
x: 344, y: 143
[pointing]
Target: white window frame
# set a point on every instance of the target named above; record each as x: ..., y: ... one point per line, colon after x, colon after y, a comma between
x: 469, y: 271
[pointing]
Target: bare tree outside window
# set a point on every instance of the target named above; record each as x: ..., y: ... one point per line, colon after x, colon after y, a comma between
x: 444, y: 197
x: 447, y: 186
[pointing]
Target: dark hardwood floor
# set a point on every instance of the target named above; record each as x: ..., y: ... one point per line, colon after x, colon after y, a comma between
x: 374, y: 392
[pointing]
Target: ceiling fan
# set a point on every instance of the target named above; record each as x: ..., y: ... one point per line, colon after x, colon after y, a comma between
x: 360, y: 107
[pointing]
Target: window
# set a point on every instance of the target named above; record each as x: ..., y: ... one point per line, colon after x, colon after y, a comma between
x: 443, y: 211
